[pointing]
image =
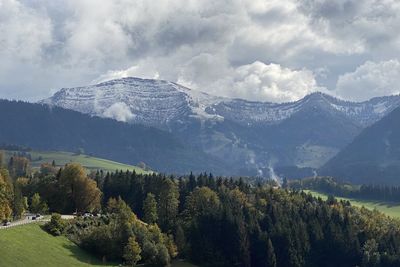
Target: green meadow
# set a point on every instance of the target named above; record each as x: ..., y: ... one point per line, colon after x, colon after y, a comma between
x: 89, y: 162
x: 29, y: 245
x: 389, y: 208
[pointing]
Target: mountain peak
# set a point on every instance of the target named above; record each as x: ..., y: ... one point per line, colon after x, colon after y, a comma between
x: 161, y: 103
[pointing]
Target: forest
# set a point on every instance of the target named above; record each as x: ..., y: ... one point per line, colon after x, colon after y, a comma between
x: 211, y: 221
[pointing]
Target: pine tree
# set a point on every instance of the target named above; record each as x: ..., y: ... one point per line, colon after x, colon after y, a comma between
x: 168, y: 204
x: 150, y: 209
x: 192, y: 182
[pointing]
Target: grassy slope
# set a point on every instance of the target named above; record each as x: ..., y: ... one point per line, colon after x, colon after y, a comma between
x: 391, y: 209
x: 92, y: 163
x: 29, y: 245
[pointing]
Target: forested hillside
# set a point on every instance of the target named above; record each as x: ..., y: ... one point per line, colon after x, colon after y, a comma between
x: 51, y: 128
x: 211, y: 221
x: 373, y: 157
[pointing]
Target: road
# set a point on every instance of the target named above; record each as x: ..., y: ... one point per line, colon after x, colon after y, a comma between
x: 28, y: 219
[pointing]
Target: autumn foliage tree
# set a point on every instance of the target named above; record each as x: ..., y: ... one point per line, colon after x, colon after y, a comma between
x: 78, y: 191
x: 5, y: 196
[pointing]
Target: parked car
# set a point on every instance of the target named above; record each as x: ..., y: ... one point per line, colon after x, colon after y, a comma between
x: 6, y: 223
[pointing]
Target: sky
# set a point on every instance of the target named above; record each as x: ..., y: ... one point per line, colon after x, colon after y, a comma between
x: 264, y: 50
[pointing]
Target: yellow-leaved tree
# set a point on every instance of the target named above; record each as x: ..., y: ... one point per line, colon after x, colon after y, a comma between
x: 80, y: 193
x: 6, y: 194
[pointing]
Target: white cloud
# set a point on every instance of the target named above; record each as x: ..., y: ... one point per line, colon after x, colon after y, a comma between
x: 272, y: 82
x: 266, y: 82
x: 369, y: 80
x: 24, y: 32
x: 119, y: 111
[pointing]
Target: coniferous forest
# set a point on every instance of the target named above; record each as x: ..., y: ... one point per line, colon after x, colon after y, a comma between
x: 210, y: 221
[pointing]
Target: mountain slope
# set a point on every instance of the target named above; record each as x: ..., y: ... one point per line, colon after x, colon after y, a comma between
x: 373, y: 156
x: 250, y: 137
x: 51, y: 128
x: 61, y: 158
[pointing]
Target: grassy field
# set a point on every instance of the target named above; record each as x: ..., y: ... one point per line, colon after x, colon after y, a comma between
x: 391, y: 209
x: 91, y: 163
x: 29, y: 245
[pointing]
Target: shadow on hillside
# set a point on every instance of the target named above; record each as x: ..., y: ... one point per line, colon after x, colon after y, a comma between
x: 85, y: 257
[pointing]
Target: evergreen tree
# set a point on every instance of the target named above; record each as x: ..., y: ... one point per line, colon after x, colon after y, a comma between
x: 150, y: 209
x: 168, y: 204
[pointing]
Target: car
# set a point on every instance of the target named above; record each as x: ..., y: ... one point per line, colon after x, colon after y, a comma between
x: 38, y: 215
x: 6, y: 223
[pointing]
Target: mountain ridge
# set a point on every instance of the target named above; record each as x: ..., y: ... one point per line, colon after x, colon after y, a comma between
x: 93, y: 100
x: 249, y: 136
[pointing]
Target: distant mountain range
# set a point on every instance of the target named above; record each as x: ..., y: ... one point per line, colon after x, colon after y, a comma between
x: 244, y: 136
x: 373, y: 156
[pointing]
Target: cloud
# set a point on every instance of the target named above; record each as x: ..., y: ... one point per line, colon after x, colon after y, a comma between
x: 263, y: 82
x: 49, y: 44
x: 256, y: 81
x: 272, y: 82
x: 119, y: 111
x: 369, y: 80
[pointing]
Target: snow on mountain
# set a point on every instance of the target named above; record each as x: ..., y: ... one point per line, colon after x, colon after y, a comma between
x: 246, y: 135
x: 160, y: 103
x: 151, y: 102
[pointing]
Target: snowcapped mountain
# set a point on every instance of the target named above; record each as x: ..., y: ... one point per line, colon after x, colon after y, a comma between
x: 158, y: 103
x: 251, y: 136
x: 150, y: 102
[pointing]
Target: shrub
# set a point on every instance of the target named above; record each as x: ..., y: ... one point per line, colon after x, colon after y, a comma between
x: 56, y: 226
